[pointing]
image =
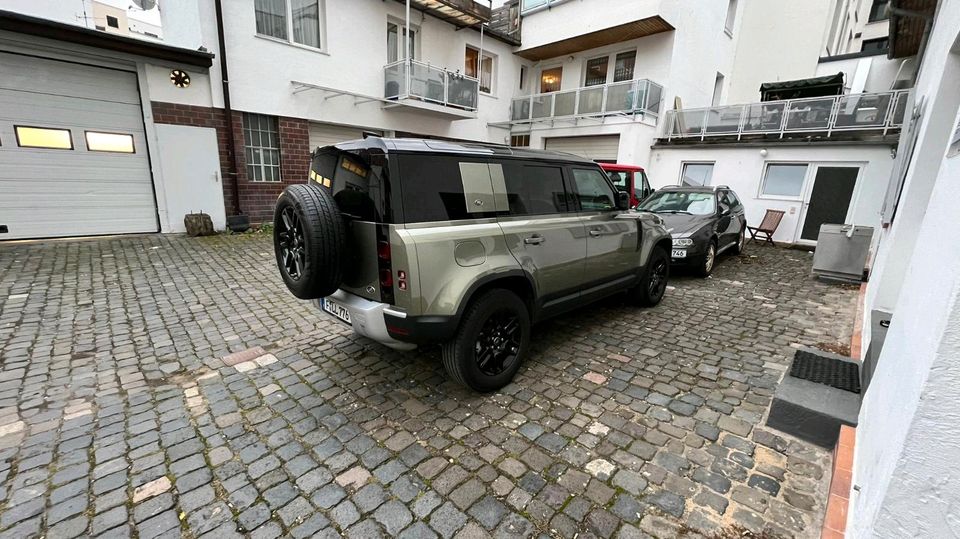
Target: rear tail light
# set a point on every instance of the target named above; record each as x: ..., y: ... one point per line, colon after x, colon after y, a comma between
x: 384, y: 265
x: 383, y: 250
x: 386, y: 278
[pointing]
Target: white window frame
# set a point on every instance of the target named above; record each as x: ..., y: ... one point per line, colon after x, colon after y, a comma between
x: 611, y: 66
x: 803, y: 186
x: 539, y: 5
x: 493, y: 68
x: 321, y: 28
x: 586, y: 61
x: 247, y: 143
x: 731, y: 20
x: 683, y: 168
x: 402, y: 43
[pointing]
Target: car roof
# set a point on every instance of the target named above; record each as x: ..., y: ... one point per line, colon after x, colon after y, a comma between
x: 417, y: 145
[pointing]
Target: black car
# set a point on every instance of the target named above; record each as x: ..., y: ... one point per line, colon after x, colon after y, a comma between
x: 703, y: 221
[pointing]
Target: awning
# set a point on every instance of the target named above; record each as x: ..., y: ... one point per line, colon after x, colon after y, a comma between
x: 71, y: 33
x: 795, y: 89
x: 608, y: 36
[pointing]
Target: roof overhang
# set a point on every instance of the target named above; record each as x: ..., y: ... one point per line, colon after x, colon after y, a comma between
x: 460, y: 13
x: 607, y: 36
x: 909, y: 21
x: 70, y: 33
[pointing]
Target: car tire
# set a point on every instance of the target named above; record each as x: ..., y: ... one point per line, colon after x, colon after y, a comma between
x: 741, y: 240
x: 709, y: 260
x: 309, y: 241
x: 653, y: 285
x: 483, y: 355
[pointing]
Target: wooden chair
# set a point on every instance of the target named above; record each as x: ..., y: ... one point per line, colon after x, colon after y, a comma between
x: 771, y: 220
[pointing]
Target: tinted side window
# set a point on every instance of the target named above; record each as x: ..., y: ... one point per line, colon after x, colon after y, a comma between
x: 534, y: 189
x: 358, y: 181
x: 734, y: 201
x: 432, y: 189
x: 593, y: 190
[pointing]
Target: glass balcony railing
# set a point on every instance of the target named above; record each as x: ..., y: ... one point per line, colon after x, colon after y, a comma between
x: 618, y: 98
x: 417, y: 80
x: 880, y: 111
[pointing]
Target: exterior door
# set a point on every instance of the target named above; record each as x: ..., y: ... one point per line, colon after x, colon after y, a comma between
x: 191, y: 173
x: 829, y: 198
x: 611, y: 242
x: 542, y: 230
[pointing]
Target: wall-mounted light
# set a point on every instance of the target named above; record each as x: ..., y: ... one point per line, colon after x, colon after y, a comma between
x: 763, y: 152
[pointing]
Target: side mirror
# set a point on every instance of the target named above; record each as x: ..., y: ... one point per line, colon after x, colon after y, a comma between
x: 623, y: 200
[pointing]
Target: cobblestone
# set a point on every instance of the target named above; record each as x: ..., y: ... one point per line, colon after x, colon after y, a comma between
x: 119, y: 413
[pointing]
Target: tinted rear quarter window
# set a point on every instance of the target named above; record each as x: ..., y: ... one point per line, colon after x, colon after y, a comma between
x: 433, y: 188
x: 534, y: 189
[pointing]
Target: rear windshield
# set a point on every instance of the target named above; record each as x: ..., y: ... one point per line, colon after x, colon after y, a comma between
x: 358, y: 181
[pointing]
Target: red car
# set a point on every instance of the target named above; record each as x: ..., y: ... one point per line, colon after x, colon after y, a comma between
x: 629, y: 179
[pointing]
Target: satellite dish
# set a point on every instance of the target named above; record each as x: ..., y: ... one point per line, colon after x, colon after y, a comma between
x: 145, y: 5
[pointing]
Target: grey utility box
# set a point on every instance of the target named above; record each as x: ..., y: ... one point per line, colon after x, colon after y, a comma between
x: 842, y: 252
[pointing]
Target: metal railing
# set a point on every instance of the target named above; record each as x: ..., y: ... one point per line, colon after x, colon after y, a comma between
x: 879, y: 111
x: 639, y: 96
x: 408, y: 79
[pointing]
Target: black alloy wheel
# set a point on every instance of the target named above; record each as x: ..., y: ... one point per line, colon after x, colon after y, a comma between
x: 291, y: 243
x: 498, y: 343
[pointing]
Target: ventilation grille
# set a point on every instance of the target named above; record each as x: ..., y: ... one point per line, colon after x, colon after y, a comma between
x: 828, y: 371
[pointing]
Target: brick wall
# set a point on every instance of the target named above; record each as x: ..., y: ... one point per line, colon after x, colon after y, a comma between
x: 256, y: 198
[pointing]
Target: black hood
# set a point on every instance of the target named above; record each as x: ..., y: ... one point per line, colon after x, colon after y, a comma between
x: 683, y: 223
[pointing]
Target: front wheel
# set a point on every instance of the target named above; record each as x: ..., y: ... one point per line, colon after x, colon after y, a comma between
x: 654, y: 283
x: 490, y: 344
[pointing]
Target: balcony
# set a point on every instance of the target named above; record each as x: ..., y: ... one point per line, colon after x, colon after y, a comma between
x: 849, y: 116
x: 432, y: 89
x: 630, y: 98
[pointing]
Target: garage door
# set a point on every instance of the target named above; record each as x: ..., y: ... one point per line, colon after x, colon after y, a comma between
x: 326, y: 134
x: 597, y: 148
x: 73, y: 155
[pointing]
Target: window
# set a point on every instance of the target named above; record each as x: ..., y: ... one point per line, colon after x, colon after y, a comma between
x: 717, y: 90
x: 680, y: 201
x: 113, y: 22
x: 731, y: 17
x: 262, y: 147
x: 620, y: 179
x: 878, y: 10
x: 596, y: 71
x: 880, y: 44
x: 623, y: 67
x: 109, y: 142
x: 43, y: 137
x: 520, y: 141
x: 523, y: 77
x: 486, y: 68
x: 534, y: 190
x: 783, y: 180
x: 395, y: 47
x: 438, y: 192
x: 550, y: 79
x: 696, y: 174
x: 285, y: 18
x: 593, y: 191
x: 527, y: 5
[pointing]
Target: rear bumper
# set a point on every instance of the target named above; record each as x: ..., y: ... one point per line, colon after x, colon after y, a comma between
x: 367, y: 318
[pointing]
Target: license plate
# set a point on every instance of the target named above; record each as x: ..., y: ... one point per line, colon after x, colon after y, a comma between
x: 337, y: 310
x: 678, y: 253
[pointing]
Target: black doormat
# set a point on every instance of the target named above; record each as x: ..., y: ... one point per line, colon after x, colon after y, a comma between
x: 836, y: 373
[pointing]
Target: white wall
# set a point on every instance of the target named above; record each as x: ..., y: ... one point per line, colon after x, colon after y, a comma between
x: 777, y: 40
x: 907, y: 439
x: 742, y: 168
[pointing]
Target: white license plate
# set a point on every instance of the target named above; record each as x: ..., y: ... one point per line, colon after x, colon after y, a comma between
x: 336, y: 310
x: 678, y: 253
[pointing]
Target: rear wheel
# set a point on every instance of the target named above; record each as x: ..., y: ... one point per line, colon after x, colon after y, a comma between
x: 490, y: 343
x: 741, y: 240
x: 654, y: 283
x: 709, y: 259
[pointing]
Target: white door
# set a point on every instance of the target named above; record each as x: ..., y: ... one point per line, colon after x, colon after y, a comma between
x: 598, y: 148
x: 190, y: 163
x: 73, y: 155
x: 828, y: 198
x: 326, y: 134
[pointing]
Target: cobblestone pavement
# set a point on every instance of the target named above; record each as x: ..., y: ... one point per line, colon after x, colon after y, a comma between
x: 120, y: 417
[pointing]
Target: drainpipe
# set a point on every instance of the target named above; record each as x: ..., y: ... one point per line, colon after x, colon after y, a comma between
x: 237, y: 222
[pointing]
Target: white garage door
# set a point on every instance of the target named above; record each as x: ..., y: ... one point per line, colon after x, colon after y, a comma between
x: 597, y: 148
x: 326, y: 134
x: 73, y: 155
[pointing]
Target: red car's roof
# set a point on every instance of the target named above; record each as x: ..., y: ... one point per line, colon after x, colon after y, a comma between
x: 619, y: 167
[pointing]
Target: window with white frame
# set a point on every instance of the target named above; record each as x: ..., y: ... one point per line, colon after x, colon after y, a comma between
x: 396, y: 48
x: 297, y: 21
x: 529, y: 5
x: 731, y: 16
x: 486, y: 67
x: 783, y: 180
x: 623, y: 66
x: 596, y: 71
x: 261, y: 142
x: 696, y: 174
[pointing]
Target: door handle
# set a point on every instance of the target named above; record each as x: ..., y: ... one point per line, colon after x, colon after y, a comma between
x: 595, y: 232
x: 536, y: 239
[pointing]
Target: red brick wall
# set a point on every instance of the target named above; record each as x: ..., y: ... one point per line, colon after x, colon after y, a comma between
x: 256, y: 198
